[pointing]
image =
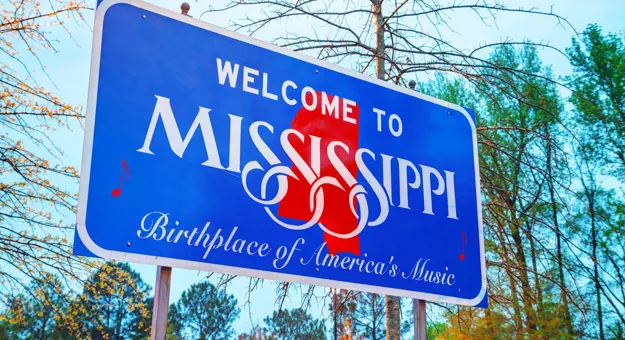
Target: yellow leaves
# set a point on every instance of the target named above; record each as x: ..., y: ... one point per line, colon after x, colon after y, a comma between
x: 47, y: 111
x: 33, y: 193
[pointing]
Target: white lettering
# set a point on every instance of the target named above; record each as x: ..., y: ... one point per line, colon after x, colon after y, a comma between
x: 451, y: 195
x: 329, y: 107
x: 380, y: 114
x: 163, y: 110
x: 395, y: 131
x: 247, y: 79
x: 286, y: 99
x: 348, y: 106
x: 403, y: 181
x: 225, y: 71
x: 266, y: 92
x: 309, y: 106
x: 427, y: 187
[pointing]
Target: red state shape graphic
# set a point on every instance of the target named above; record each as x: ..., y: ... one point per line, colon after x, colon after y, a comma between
x: 337, y: 215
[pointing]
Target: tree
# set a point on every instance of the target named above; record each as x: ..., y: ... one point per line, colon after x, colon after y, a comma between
x: 369, y: 316
x: 258, y: 333
x: 599, y: 100
x: 174, y: 323
x: 526, y: 187
x: 39, y: 312
x: 205, y: 312
x: 342, y: 308
x: 514, y: 179
x: 435, y: 330
x: 599, y: 227
x: 4, y: 328
x: 114, y: 303
x: 599, y: 82
x: 295, y: 324
x: 35, y: 190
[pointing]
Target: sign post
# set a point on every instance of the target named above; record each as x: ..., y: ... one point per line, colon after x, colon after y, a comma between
x: 161, y: 303
x: 254, y: 160
x: 419, y: 319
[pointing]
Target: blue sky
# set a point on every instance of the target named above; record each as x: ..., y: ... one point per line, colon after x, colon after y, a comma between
x: 69, y: 69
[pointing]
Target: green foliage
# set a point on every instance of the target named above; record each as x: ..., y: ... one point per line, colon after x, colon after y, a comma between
x: 599, y: 84
x: 38, y: 312
x: 295, y: 324
x: 114, y: 303
x: 598, y: 223
x: 359, y: 315
x: 174, y: 323
x: 204, y: 312
x: 258, y: 333
x: 370, y: 316
x: 435, y: 330
x: 519, y: 113
x: 4, y: 330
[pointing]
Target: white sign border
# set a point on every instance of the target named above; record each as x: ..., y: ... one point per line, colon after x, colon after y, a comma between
x: 163, y: 261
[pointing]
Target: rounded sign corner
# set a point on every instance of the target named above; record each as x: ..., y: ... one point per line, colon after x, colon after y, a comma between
x: 89, y: 243
x: 480, y: 296
x: 105, y: 5
x: 466, y: 115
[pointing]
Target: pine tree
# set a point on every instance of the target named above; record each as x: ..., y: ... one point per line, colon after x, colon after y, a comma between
x: 295, y: 324
x: 204, y: 312
x: 113, y: 303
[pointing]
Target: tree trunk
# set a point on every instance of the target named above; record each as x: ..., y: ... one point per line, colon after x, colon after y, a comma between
x: 392, y: 318
x: 120, y: 319
x: 42, y: 330
x: 515, y: 225
x: 539, y: 291
x: 526, y: 289
x: 375, y: 317
x: 518, y: 318
x: 593, y: 231
x: 380, y: 70
x: 518, y: 322
x: 556, y: 225
x: 392, y: 302
x: 335, y: 325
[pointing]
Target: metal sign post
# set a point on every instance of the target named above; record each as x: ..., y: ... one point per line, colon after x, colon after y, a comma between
x: 420, y: 323
x: 161, y: 303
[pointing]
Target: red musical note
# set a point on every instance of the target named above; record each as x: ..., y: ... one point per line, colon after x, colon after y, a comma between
x: 464, y: 240
x: 118, y: 191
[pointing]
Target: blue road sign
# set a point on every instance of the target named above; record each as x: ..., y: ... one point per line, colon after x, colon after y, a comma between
x: 209, y: 150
